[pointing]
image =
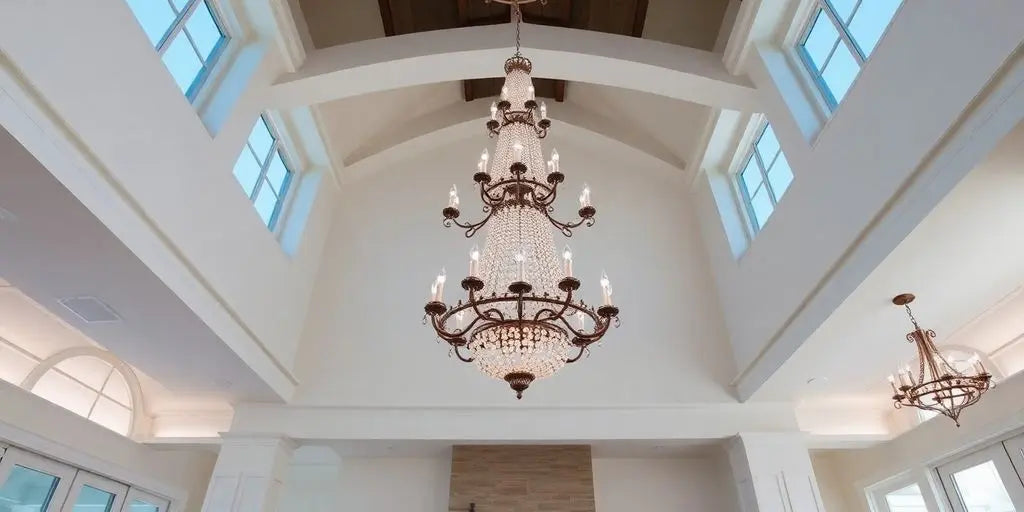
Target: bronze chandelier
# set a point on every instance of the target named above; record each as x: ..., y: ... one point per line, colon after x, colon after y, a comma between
x: 938, y: 385
x: 521, y: 319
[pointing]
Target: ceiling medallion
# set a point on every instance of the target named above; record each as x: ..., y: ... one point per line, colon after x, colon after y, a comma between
x: 938, y: 386
x: 521, y: 320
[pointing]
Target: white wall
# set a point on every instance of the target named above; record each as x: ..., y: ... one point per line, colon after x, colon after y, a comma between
x: 34, y: 424
x: 699, y: 483
x: 365, y: 343
x: 393, y: 484
x: 936, y: 58
x: 146, y: 146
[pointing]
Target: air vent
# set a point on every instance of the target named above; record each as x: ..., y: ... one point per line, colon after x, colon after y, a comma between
x: 90, y: 309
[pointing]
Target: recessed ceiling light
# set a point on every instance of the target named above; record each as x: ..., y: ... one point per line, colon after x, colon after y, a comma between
x: 90, y: 309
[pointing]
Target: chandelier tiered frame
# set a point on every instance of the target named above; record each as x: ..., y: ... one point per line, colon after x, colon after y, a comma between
x: 937, y: 386
x: 513, y: 329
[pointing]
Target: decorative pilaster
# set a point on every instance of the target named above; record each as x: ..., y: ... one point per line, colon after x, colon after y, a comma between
x: 773, y: 473
x: 249, y: 475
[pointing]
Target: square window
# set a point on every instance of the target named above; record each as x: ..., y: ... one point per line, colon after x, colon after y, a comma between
x: 767, y: 146
x: 247, y: 171
x: 820, y: 40
x: 843, y: 8
x: 840, y: 72
x: 841, y: 35
x: 277, y: 173
x: 751, y: 175
x: 155, y: 16
x: 261, y: 140
x: 870, y: 22
x: 204, y: 31
x: 266, y: 203
x: 761, y: 204
x: 780, y: 176
x: 183, y: 63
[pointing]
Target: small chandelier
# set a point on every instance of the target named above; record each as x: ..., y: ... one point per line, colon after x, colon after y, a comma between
x: 521, y: 320
x: 938, y: 385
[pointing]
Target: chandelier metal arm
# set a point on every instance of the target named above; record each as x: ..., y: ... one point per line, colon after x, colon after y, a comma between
x: 578, y: 355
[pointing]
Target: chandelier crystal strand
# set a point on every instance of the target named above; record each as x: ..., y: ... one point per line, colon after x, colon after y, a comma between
x: 937, y: 385
x: 521, y: 320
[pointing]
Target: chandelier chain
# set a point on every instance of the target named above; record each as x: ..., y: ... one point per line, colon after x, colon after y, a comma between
x: 518, y: 15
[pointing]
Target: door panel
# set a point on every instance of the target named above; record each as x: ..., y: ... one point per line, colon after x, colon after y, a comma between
x: 31, y: 483
x: 984, y: 481
x: 92, y: 493
x: 138, y: 501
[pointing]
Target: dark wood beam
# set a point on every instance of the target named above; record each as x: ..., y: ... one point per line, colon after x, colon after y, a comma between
x: 639, y: 17
x: 386, y: 17
x: 559, y: 90
x: 467, y: 90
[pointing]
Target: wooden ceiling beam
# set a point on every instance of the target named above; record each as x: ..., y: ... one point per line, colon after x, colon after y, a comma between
x: 386, y: 17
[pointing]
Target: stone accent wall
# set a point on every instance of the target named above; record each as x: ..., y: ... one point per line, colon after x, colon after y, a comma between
x: 522, y: 478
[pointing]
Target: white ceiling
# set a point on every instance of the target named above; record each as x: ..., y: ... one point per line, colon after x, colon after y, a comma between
x: 964, y: 264
x: 55, y: 248
x: 361, y: 126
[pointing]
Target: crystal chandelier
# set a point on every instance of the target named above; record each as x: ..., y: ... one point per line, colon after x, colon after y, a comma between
x: 521, y: 320
x: 938, y: 385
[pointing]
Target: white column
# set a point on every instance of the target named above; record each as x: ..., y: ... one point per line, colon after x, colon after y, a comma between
x: 313, y: 483
x: 249, y: 474
x: 773, y: 473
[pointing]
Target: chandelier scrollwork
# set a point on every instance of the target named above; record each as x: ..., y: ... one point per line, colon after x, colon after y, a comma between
x: 522, y: 318
x: 937, y: 385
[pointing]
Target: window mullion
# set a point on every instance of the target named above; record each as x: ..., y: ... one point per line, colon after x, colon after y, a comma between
x: 844, y: 35
x: 764, y: 177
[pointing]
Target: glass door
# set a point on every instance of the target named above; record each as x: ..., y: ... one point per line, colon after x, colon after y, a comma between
x: 31, y: 483
x: 984, y: 481
x: 138, y: 501
x: 92, y: 493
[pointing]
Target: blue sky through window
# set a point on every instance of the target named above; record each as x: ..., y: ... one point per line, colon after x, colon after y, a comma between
x: 186, y: 35
x: 765, y: 177
x: 840, y: 37
x: 262, y: 172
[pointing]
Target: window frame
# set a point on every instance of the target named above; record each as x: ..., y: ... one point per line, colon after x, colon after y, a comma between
x: 276, y: 147
x: 825, y: 7
x: 876, y: 494
x: 744, y: 194
x: 178, y: 27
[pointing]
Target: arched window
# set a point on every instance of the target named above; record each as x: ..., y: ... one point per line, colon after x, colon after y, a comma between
x: 92, y: 383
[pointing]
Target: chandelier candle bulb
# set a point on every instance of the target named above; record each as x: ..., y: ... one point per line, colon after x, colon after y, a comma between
x: 521, y: 265
x: 606, y: 289
x: 530, y: 91
x: 484, y: 156
x: 892, y: 382
x: 504, y: 93
x: 555, y: 159
x: 474, y: 261
x: 543, y: 110
x: 517, y: 151
x: 584, y: 195
x: 567, y: 256
x: 453, y: 197
x: 551, y: 166
x: 441, y: 278
x: 494, y: 111
x: 581, y: 319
